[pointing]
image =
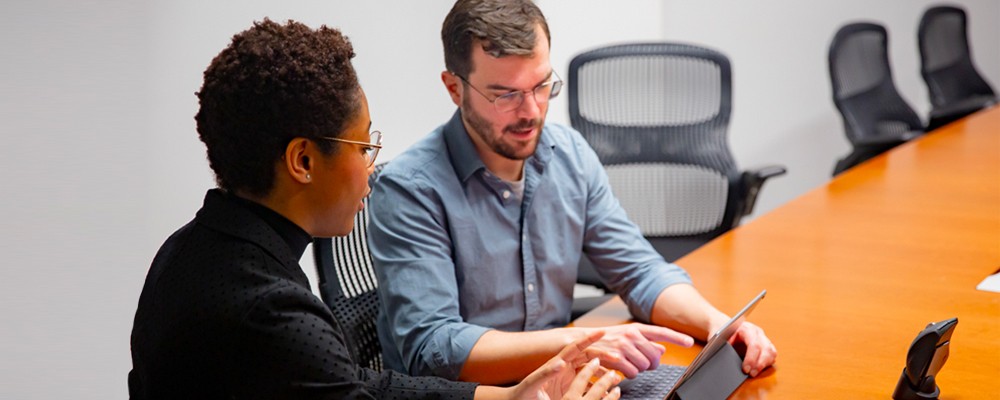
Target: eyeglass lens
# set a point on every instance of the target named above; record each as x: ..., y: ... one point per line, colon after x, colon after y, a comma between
x: 542, y: 93
x: 374, y: 138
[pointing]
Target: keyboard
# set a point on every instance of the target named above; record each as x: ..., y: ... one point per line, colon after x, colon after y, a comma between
x: 651, y: 385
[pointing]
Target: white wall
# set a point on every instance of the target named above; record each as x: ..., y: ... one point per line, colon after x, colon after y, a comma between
x: 783, y: 110
x: 73, y: 212
x: 100, y: 160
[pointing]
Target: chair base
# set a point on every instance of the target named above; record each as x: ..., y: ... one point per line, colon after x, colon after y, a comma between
x: 859, y: 156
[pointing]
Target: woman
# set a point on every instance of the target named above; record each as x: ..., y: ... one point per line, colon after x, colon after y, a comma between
x: 226, y: 311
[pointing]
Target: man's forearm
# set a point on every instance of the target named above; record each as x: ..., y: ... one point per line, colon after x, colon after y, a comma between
x: 507, y: 357
x: 682, y: 308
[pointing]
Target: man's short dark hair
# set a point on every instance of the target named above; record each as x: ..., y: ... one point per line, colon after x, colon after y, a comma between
x: 274, y: 83
x: 502, y: 27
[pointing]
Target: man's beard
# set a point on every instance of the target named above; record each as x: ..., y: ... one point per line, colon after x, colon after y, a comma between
x: 484, y: 130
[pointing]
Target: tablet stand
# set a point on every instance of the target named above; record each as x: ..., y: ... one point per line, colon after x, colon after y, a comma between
x: 717, y: 379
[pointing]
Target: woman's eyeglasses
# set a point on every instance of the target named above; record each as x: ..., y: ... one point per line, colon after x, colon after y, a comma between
x: 371, y: 147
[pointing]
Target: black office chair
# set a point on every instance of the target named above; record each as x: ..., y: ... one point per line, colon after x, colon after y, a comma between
x: 657, y: 115
x: 956, y: 89
x: 347, y: 284
x: 876, y: 118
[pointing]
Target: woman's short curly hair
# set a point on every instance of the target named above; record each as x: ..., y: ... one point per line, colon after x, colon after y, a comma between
x: 274, y: 83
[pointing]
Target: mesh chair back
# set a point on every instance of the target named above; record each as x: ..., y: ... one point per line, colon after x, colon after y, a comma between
x: 657, y: 115
x: 348, y: 286
x: 946, y: 60
x: 863, y: 88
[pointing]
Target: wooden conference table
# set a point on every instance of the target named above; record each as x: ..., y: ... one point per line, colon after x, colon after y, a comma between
x: 856, y: 268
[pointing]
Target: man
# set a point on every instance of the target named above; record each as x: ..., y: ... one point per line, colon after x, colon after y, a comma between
x: 226, y: 311
x: 478, y: 229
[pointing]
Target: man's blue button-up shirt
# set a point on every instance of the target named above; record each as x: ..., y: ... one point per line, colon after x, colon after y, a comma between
x: 458, y: 254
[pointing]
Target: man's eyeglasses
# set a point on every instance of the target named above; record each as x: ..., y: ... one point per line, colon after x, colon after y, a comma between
x: 371, y: 147
x: 511, y: 101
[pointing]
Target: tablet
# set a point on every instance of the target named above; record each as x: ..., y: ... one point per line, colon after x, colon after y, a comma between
x: 663, y: 382
x: 719, y: 339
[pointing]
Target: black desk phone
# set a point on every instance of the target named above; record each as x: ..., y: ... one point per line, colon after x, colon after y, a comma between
x: 927, y: 355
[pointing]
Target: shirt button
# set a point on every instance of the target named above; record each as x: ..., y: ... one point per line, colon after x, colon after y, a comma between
x: 506, y: 194
x: 531, y: 287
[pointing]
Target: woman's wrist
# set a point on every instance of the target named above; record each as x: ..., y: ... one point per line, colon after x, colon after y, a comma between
x: 484, y: 392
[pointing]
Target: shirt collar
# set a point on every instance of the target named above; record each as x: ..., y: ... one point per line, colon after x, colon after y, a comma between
x: 464, y: 157
x: 461, y: 150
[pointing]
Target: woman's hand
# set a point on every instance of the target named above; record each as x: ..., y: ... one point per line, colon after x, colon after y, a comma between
x: 559, y: 379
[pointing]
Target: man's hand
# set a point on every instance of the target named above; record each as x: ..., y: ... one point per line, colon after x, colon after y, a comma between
x: 632, y: 348
x: 760, y: 352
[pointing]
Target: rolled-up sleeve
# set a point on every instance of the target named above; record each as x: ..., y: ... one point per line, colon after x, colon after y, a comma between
x: 623, y: 258
x: 412, y: 251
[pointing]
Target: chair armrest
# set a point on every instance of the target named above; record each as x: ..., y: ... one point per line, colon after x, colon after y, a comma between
x: 963, y: 108
x: 753, y: 180
x: 887, y: 140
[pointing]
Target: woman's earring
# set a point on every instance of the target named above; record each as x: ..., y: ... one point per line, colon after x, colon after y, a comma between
x: 308, y: 177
